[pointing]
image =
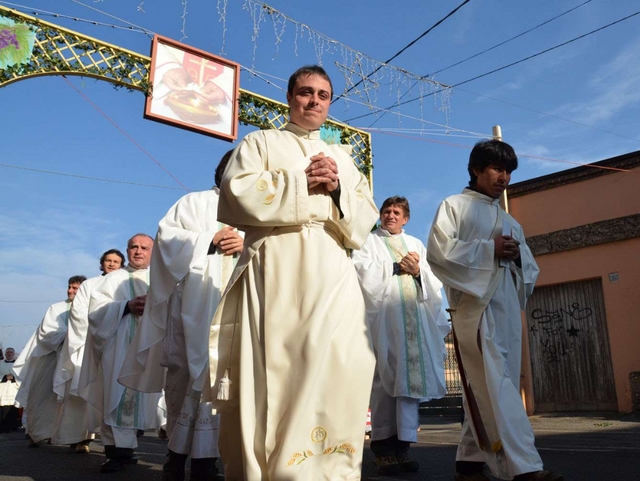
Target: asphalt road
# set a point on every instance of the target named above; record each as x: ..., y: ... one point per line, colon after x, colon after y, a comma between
x: 595, y: 447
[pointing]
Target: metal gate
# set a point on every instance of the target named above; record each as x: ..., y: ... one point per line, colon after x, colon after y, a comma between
x: 452, y: 402
x: 570, y: 355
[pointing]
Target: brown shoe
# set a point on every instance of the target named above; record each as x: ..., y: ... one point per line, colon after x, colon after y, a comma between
x: 477, y: 476
x: 407, y: 464
x: 82, y: 448
x: 387, y: 465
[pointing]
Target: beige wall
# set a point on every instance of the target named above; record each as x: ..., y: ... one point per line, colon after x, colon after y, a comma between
x: 572, y: 205
x: 580, y: 203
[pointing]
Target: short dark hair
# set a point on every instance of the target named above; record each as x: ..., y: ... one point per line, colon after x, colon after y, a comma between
x: 488, y: 152
x: 397, y: 200
x: 103, y: 257
x: 305, y: 71
x: 221, y: 166
x: 139, y: 234
x: 77, y: 279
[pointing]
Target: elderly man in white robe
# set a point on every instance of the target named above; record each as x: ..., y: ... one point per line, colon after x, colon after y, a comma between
x: 479, y: 253
x: 193, y: 258
x: 115, y: 308
x: 289, y: 343
x: 408, y: 326
x: 76, y: 419
x: 36, y: 365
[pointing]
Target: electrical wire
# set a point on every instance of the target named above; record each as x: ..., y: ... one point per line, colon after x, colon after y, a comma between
x: 147, y: 31
x: 483, y: 52
x: 548, y: 159
x: 509, y: 40
x: 40, y: 13
x: 85, y: 177
x: 123, y: 132
x: 452, y: 12
x: 261, y: 76
x: 398, y: 104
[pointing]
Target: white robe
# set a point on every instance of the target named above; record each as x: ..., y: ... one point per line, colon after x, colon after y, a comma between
x: 7, y: 368
x: 8, y: 390
x: 291, y: 326
x: 406, y: 319
x: 186, y: 287
x: 35, y: 368
x: 75, y: 417
x: 110, y: 335
x: 487, y: 299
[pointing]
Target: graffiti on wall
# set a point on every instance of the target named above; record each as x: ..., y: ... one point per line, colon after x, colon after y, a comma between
x: 557, y: 331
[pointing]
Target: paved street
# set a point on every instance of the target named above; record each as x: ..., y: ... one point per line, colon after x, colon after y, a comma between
x: 597, y: 447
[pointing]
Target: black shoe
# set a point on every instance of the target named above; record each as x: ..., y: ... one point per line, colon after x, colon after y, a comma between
x: 205, y: 469
x: 139, y: 433
x: 477, y: 476
x: 113, y: 465
x: 173, y: 469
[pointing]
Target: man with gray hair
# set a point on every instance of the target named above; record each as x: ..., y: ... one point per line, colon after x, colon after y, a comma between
x: 115, y: 309
x: 193, y: 258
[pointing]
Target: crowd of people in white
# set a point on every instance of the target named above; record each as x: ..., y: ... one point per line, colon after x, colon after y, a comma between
x: 267, y: 316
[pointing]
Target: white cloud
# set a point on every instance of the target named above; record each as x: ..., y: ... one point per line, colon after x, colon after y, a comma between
x: 614, y: 87
x: 39, y: 251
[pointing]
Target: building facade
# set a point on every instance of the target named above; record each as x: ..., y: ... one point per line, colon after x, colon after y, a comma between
x: 582, y: 324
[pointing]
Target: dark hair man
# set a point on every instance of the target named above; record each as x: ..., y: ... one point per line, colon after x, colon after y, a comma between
x: 75, y: 416
x: 479, y: 253
x: 300, y: 356
x: 36, y: 365
x: 111, y: 260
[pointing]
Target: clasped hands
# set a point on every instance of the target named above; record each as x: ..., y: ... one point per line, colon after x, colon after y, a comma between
x: 136, y: 305
x: 410, y: 264
x: 506, y: 247
x: 227, y: 241
x: 322, y: 170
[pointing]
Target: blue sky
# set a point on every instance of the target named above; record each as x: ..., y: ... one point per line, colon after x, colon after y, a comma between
x: 52, y: 227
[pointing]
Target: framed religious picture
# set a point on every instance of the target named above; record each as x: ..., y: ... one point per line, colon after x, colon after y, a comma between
x: 193, y: 89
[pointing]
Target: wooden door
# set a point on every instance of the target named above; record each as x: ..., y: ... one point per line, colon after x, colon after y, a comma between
x: 569, y: 345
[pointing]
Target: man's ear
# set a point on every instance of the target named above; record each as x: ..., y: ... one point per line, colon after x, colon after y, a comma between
x: 288, y: 98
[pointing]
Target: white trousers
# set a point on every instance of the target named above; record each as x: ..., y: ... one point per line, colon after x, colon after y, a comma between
x: 192, y: 424
x: 393, y: 415
x: 118, y: 437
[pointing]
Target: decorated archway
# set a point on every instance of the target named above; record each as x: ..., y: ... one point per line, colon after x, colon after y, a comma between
x: 59, y: 51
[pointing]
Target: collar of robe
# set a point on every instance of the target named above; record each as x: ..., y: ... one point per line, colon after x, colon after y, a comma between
x: 296, y: 129
x: 480, y: 196
x: 129, y: 268
x: 386, y: 233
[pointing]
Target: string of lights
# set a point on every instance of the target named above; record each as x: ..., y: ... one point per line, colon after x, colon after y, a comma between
x: 403, y: 49
x: 422, y: 97
x: 44, y: 13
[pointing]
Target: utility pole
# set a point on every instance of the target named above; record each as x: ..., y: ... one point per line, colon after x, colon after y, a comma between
x: 497, y: 135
